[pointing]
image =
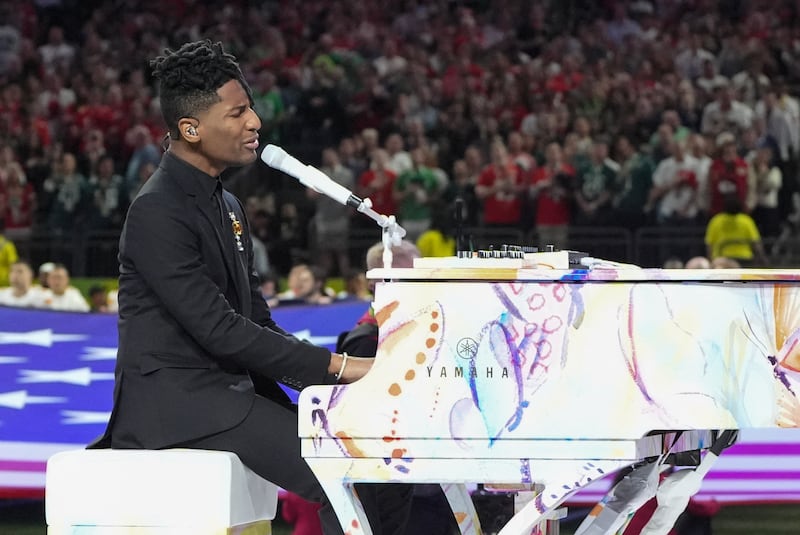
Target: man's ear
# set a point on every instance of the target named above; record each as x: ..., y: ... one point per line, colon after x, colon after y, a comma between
x: 188, y: 129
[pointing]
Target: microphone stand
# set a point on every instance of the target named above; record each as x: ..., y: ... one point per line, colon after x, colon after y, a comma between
x: 392, y: 233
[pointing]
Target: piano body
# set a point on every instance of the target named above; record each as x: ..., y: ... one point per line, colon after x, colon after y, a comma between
x: 552, y: 378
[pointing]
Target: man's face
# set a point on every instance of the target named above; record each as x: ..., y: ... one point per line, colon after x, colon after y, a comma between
x: 20, y: 276
x: 301, y: 281
x: 58, y: 281
x: 229, y: 130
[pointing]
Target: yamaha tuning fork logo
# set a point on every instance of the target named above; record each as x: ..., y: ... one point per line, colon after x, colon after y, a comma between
x: 467, y: 348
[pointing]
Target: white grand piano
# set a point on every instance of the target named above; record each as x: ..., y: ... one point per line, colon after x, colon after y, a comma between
x: 514, y: 373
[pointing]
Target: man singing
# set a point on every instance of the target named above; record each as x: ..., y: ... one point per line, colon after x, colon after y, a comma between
x: 199, y: 354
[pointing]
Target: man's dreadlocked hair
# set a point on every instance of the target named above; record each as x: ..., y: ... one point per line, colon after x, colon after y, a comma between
x: 189, y: 78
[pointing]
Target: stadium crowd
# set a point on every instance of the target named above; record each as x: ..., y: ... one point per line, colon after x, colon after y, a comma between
x: 531, y: 115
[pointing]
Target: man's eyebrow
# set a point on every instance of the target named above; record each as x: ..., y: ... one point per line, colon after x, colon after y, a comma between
x: 238, y: 108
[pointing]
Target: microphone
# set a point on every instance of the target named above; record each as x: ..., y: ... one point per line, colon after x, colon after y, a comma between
x: 309, y: 176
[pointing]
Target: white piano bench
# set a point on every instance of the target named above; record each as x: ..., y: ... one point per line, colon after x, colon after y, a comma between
x: 148, y: 492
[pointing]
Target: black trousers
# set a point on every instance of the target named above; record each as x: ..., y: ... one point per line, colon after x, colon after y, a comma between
x: 267, y: 443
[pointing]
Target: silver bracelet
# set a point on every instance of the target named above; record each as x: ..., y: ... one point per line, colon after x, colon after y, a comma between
x: 341, y: 370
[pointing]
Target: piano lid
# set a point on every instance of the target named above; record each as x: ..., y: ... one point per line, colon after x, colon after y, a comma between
x: 595, y: 274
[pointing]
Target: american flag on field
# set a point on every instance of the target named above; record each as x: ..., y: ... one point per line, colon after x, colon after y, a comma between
x: 57, y: 378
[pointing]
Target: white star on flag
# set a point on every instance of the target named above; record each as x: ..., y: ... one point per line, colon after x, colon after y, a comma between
x: 99, y: 353
x: 19, y: 398
x: 305, y: 334
x: 78, y: 376
x: 42, y: 337
x: 84, y: 417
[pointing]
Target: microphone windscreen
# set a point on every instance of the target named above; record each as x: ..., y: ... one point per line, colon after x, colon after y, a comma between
x: 273, y: 156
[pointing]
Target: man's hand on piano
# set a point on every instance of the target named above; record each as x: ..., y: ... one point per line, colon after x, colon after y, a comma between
x: 353, y: 369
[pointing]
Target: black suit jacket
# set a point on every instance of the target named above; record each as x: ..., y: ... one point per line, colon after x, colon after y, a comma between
x: 194, y: 330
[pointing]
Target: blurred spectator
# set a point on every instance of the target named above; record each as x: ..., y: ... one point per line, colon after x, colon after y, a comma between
x: 260, y: 233
x: 17, y: 203
x: 780, y: 115
x: 499, y: 188
x: 268, y: 283
x: 462, y: 187
x: 8, y: 254
x: 595, y: 187
x: 55, y: 98
x: 306, y: 284
x: 763, y: 184
x: 730, y: 59
x: 352, y: 156
x: 634, y: 181
x: 399, y: 159
x: 57, y: 55
x: 582, y: 142
x: 725, y: 113
x: 92, y: 151
x: 144, y: 151
x: 733, y: 234
x: 377, y: 183
x: 8, y: 159
x: 390, y: 66
x: 661, y: 142
x: 621, y: 25
x: 10, y: 40
x: 330, y: 226
x: 415, y: 190
x: 268, y: 104
x: 674, y: 197
x: 62, y: 296
x: 698, y: 149
x: 320, y: 111
x: 98, y: 299
x: 723, y: 262
x: 107, y: 196
x: 522, y: 158
x: 66, y: 189
x: 370, y: 140
x: 44, y: 272
x: 552, y: 189
x: 356, y: 286
x: 21, y: 292
x: 709, y: 79
x: 751, y: 83
x: 673, y: 120
x: 261, y: 263
x: 698, y: 262
x: 727, y: 175
x: 689, y: 62
x: 146, y: 170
